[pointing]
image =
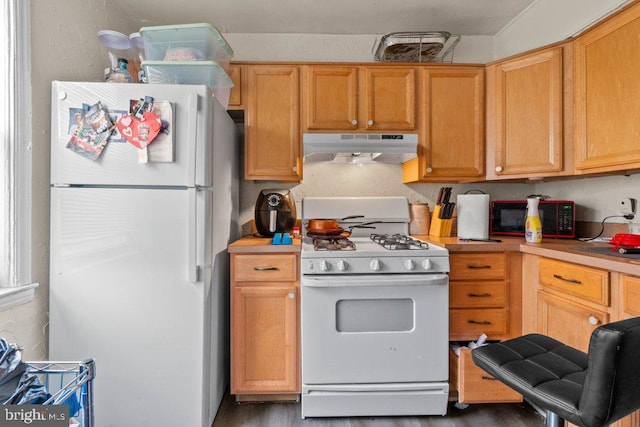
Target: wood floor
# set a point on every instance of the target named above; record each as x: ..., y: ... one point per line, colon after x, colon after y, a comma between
x: 233, y: 414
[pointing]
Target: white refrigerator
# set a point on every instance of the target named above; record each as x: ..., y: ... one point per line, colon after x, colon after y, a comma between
x: 139, y: 273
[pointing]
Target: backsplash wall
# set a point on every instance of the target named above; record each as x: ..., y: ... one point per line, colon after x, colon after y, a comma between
x: 326, y: 179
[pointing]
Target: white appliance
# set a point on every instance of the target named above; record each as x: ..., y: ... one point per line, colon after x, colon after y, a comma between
x: 139, y: 268
x: 374, y: 314
x: 359, y: 147
x: 473, y: 216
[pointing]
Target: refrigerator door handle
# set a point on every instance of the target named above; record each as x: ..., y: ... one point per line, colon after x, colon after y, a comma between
x: 192, y: 242
x: 193, y: 137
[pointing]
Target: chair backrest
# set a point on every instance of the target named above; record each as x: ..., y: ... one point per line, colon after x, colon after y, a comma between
x: 612, y: 384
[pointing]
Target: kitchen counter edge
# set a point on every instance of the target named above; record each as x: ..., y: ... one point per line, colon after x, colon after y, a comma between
x: 564, y: 250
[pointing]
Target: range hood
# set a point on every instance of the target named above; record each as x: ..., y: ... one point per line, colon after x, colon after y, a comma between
x: 359, y: 147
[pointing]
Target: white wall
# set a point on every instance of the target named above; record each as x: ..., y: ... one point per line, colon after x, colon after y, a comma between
x: 550, y: 21
x: 338, y: 48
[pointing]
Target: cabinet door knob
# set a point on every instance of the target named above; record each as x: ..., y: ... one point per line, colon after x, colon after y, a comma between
x: 291, y: 295
x: 429, y: 170
x: 370, y: 123
x: 354, y: 122
x: 498, y: 168
x: 295, y: 169
x: 594, y: 320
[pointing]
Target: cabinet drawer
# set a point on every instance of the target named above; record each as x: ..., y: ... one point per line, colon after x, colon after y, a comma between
x: 585, y: 282
x: 265, y: 268
x: 489, y: 266
x: 474, y: 385
x: 477, y: 294
x: 631, y: 295
x: 491, y: 321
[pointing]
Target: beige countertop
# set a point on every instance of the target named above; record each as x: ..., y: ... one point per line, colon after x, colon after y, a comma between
x: 256, y: 244
x: 565, y: 250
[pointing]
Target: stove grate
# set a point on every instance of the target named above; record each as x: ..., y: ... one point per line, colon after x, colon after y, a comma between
x: 398, y: 242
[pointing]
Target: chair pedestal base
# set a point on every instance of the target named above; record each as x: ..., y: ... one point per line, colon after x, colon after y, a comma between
x: 553, y: 420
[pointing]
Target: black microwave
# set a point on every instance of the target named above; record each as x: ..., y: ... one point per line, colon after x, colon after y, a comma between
x: 558, y: 218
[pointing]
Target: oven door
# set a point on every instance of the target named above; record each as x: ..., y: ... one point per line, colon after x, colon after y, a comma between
x: 369, y: 329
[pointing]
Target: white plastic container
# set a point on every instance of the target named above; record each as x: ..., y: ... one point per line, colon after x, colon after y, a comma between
x: 533, y: 226
x: 208, y: 73
x: 189, y: 42
x: 116, y: 45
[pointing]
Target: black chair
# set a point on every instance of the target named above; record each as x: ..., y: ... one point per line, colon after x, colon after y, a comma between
x: 589, y: 390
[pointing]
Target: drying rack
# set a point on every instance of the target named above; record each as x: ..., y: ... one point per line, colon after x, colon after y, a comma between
x: 69, y: 383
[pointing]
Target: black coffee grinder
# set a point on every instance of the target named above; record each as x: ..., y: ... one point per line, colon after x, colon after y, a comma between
x: 275, y: 212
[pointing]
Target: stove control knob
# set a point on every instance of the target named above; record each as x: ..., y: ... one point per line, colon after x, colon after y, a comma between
x: 374, y: 265
x: 427, y: 265
x: 342, y: 265
x: 324, y: 266
x: 409, y: 265
x: 310, y: 265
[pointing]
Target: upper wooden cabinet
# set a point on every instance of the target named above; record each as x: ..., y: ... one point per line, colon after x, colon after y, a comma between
x: 451, y: 124
x: 235, y: 97
x: 359, y: 98
x: 526, y: 114
x: 607, y: 106
x: 272, y: 134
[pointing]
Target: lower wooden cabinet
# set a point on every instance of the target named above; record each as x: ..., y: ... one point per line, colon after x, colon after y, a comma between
x: 568, y: 321
x: 265, y: 295
x: 484, y: 295
x: 473, y: 384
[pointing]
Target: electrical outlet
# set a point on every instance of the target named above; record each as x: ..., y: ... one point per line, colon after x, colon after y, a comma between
x: 627, y: 207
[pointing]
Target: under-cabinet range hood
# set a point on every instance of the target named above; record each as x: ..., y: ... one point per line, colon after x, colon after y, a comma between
x: 359, y: 147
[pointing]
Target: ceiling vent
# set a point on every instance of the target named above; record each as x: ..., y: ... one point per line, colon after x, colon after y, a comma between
x: 426, y: 46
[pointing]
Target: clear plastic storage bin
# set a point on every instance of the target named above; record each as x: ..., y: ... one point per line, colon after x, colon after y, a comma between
x: 189, y: 42
x: 208, y: 73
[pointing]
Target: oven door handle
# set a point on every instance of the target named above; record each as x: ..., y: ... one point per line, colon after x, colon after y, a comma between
x: 341, y: 281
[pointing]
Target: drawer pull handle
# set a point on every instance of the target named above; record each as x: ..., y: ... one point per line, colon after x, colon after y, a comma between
x: 478, y: 267
x: 574, y: 281
x: 472, y: 295
x: 475, y: 322
x: 484, y: 377
x: 266, y: 268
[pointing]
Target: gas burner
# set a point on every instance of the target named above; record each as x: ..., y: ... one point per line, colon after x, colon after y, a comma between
x: 333, y: 244
x: 398, y: 242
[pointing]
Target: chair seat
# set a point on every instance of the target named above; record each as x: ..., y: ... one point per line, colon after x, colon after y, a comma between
x: 545, y: 371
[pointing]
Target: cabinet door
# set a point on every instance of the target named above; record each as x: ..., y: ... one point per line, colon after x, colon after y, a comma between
x: 264, y: 340
x: 272, y: 143
x: 525, y: 114
x: 331, y: 97
x: 630, y: 295
x: 606, y: 87
x: 235, y: 97
x: 567, y: 321
x: 390, y: 96
x: 452, y: 137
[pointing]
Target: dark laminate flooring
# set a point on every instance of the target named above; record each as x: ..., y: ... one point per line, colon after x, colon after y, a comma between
x: 233, y: 414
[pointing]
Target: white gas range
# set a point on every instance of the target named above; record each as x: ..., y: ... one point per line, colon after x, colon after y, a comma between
x: 374, y: 313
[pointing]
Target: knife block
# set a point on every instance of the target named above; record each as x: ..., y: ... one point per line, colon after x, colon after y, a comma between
x: 439, y: 227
